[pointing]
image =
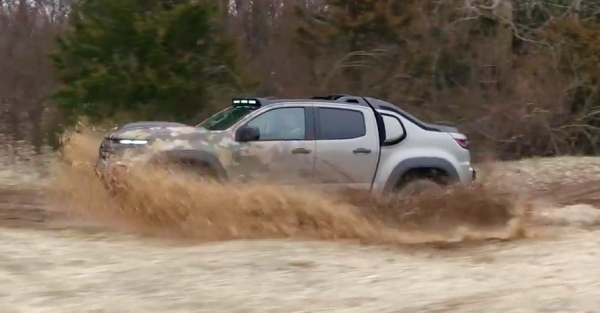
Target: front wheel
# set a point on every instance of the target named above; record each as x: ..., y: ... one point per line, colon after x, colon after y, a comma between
x: 192, y: 170
x: 113, y: 178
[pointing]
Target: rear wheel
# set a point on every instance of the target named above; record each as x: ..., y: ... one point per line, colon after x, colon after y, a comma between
x: 419, y: 181
x: 419, y: 186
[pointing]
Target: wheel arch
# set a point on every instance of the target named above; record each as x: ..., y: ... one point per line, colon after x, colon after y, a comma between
x: 193, y: 157
x: 418, y: 164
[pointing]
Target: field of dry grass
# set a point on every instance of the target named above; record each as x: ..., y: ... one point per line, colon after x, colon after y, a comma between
x: 501, y: 247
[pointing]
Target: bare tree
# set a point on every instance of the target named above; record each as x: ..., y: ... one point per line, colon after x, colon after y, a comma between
x: 27, y: 34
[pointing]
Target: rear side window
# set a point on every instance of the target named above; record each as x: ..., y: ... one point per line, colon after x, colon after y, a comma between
x: 339, y: 124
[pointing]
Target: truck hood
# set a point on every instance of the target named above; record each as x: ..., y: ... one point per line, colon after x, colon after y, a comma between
x: 159, y: 131
x: 150, y: 124
x: 165, y: 137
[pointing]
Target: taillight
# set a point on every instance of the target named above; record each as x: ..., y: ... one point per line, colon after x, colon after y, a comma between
x: 464, y: 143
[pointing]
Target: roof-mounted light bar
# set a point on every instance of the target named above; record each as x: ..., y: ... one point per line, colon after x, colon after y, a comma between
x: 252, y: 102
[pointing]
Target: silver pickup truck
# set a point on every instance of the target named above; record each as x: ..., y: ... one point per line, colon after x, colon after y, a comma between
x: 331, y: 141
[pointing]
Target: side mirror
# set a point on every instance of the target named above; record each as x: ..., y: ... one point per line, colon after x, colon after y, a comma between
x: 247, y: 133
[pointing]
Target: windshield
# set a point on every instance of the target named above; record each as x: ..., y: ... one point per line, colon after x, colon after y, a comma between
x: 225, y: 119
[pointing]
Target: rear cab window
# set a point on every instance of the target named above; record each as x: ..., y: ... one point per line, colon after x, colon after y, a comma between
x: 340, y: 124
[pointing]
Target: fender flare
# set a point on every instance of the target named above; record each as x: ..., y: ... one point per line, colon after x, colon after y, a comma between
x: 194, y: 155
x: 419, y: 162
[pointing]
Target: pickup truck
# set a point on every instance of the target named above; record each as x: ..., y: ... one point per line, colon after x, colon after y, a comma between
x: 332, y: 141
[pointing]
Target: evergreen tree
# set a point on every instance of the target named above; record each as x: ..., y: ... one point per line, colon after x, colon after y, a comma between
x: 155, y: 59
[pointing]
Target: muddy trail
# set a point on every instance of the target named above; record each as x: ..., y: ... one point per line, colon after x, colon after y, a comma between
x: 79, y: 272
x: 472, y: 250
x: 158, y: 203
x: 583, y: 193
x: 71, y: 196
x: 30, y: 209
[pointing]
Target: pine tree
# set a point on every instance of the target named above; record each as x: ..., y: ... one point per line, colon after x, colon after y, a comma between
x: 155, y: 59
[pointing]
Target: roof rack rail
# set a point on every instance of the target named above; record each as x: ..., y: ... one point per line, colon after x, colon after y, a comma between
x: 334, y: 97
x: 351, y: 99
x: 343, y: 98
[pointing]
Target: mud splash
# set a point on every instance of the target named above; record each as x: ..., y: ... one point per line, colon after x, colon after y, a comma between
x: 159, y: 203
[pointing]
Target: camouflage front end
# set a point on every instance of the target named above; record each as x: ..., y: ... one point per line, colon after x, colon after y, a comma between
x: 142, y: 145
x: 125, y: 147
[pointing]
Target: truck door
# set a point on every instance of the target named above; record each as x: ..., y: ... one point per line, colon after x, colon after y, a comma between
x: 286, y: 148
x: 347, y: 145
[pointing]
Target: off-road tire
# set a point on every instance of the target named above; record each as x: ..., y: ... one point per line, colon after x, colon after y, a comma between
x: 196, y: 171
x: 419, y: 186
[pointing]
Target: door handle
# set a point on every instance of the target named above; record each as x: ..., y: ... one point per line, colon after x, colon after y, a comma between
x: 361, y: 150
x: 301, y: 151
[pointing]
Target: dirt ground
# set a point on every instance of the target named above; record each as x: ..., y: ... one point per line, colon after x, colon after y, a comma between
x: 49, y: 263
x: 66, y: 272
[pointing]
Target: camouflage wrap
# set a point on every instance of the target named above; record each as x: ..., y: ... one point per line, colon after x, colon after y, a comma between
x: 239, y: 161
x: 111, y: 176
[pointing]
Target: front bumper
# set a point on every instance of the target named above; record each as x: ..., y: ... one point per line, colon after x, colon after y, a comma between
x: 104, y: 166
x: 112, y: 174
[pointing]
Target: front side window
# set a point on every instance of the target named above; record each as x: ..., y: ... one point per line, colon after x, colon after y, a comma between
x: 226, y: 118
x: 281, y: 124
x: 340, y: 124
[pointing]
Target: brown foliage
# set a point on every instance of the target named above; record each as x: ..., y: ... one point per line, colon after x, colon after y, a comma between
x: 27, y: 34
x: 447, y: 63
x: 514, y: 95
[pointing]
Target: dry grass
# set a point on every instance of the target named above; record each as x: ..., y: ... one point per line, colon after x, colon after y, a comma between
x: 153, y: 201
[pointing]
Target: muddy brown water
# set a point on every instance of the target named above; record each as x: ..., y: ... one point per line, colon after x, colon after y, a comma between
x: 24, y: 208
x: 61, y: 271
x: 66, y: 271
x: 28, y: 208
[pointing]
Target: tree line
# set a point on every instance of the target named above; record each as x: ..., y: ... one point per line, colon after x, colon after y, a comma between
x: 519, y: 77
